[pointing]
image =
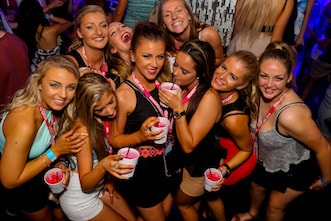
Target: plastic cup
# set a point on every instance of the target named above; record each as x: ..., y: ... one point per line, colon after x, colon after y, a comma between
x: 130, y: 156
x: 163, y: 124
x: 54, y: 179
x: 169, y: 86
x: 212, y: 177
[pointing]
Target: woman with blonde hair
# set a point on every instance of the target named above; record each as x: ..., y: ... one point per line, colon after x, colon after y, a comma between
x: 259, y: 22
x: 29, y: 140
x: 177, y: 18
x: 88, y: 49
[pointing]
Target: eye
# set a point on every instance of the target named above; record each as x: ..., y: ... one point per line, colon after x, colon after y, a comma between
x: 72, y: 87
x: 175, y: 64
x: 166, y: 15
x: 263, y: 76
x: 146, y: 56
x: 54, y: 85
x: 279, y: 78
x: 233, y: 77
x: 89, y: 27
x: 223, y: 67
x: 185, y: 72
x: 160, y: 57
x: 104, y: 26
x: 179, y: 10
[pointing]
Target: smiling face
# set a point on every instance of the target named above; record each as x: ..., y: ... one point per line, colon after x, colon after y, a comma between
x: 175, y: 16
x: 93, y: 30
x: 106, y: 107
x: 273, y: 78
x: 149, y: 58
x: 120, y: 37
x: 184, y: 71
x: 57, y: 88
x: 230, y: 75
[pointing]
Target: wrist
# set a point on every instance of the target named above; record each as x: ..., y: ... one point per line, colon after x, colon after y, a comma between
x: 49, y: 153
x: 225, y: 170
x: 324, y: 182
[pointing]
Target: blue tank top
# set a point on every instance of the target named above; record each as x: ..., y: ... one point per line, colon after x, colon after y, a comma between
x: 41, y: 142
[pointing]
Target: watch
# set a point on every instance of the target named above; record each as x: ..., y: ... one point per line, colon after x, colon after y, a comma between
x: 178, y: 115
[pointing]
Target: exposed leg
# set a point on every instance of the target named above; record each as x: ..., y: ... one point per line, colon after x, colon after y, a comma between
x: 257, y: 196
x: 278, y: 202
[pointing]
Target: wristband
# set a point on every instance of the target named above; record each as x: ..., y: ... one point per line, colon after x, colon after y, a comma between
x: 225, y: 172
x: 50, y: 155
x: 324, y: 182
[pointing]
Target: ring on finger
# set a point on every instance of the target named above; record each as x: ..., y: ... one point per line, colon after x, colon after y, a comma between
x: 146, y: 128
x: 148, y: 134
x: 116, y: 166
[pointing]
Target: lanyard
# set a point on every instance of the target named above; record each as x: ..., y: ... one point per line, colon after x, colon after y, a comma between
x: 149, y: 96
x: 50, y: 125
x: 190, y: 94
x: 102, y: 70
x: 268, y: 115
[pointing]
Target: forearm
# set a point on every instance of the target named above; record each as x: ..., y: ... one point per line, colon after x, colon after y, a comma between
x: 324, y: 162
x: 184, y: 135
x: 90, y: 180
x: 125, y: 140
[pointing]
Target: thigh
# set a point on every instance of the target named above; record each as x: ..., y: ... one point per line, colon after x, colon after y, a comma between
x: 281, y: 200
x: 154, y: 213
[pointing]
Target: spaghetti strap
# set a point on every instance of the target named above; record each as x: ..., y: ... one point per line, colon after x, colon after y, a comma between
x: 284, y: 5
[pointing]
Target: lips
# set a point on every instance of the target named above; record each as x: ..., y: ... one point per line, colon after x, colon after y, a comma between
x: 126, y: 37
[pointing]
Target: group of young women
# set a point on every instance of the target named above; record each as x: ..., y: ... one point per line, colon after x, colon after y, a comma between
x: 241, y: 117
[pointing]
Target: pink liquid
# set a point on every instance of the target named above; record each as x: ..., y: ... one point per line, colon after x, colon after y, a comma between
x: 213, y: 176
x: 129, y: 156
x: 54, y: 177
x: 160, y: 124
x: 170, y: 88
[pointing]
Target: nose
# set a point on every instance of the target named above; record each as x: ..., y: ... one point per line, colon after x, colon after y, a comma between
x: 63, y: 93
x: 174, y: 15
x: 175, y: 71
x: 110, y: 109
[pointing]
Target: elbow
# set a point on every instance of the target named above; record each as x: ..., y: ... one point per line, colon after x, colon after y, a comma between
x: 8, y: 185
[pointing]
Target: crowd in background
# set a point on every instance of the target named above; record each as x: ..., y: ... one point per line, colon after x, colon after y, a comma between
x: 82, y: 79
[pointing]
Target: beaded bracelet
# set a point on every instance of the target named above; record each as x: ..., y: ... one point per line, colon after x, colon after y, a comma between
x: 50, y: 155
x: 323, y: 181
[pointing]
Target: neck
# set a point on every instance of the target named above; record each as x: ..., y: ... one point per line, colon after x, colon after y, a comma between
x: 94, y: 56
x: 125, y: 57
x: 148, y: 84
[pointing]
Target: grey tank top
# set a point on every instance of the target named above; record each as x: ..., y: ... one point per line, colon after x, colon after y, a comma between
x: 276, y: 151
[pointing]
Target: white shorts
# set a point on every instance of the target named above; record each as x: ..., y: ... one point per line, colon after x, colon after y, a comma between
x: 77, y: 205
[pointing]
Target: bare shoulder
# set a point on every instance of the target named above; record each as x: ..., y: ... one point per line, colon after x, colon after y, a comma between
x: 209, y: 33
x: 126, y: 97
x: 22, y: 120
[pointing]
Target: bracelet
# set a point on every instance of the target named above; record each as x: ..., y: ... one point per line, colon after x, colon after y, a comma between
x: 323, y: 181
x: 226, y: 166
x: 50, y: 155
x: 225, y: 172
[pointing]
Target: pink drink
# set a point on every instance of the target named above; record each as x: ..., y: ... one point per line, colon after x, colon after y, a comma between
x: 129, y: 155
x: 160, y: 124
x: 213, y: 176
x: 54, y: 177
x: 170, y: 88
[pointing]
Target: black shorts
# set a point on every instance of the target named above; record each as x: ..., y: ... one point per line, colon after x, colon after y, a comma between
x: 299, y: 177
x: 149, y: 185
x: 30, y: 197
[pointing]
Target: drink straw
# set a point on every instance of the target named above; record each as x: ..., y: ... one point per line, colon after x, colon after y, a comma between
x: 57, y: 177
x: 127, y: 153
x: 210, y: 171
x: 172, y: 86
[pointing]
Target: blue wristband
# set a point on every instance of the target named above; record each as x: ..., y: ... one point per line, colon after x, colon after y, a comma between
x: 324, y: 182
x: 50, y: 155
